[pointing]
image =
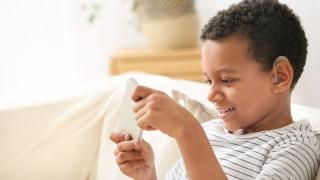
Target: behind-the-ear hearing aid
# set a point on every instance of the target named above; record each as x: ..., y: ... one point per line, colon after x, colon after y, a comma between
x: 275, y: 79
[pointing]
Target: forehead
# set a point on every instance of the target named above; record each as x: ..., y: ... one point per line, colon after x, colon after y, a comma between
x: 232, y: 53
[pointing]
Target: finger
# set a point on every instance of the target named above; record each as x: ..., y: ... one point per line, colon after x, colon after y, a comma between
x: 131, y: 165
x: 126, y: 146
x: 116, y: 151
x: 141, y: 111
x: 147, y: 107
x: 118, y: 136
x: 144, y: 145
x: 141, y: 92
x: 145, y: 121
x: 150, y: 102
x: 123, y: 157
x: 139, y: 104
x: 140, y: 114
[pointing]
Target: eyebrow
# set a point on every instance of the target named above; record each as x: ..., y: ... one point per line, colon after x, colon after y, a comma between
x: 223, y: 70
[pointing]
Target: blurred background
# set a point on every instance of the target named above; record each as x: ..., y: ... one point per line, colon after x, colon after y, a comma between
x: 50, y: 44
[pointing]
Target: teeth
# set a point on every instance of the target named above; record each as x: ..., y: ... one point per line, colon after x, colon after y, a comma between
x: 226, y: 110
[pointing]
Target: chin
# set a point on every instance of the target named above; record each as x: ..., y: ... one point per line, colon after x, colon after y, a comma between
x: 234, y: 124
x: 230, y: 126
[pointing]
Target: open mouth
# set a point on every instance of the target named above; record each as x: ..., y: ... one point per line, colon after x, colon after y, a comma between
x: 224, y: 112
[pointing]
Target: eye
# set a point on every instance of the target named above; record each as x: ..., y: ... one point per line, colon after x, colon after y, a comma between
x: 227, y: 80
x: 208, y: 82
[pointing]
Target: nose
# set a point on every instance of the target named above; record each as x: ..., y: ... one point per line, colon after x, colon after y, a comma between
x: 215, y: 95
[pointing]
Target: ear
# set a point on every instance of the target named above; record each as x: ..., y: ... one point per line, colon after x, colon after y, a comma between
x: 282, y: 75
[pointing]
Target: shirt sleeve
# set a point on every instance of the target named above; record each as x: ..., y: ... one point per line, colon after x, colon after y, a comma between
x: 293, y: 160
x: 178, y: 171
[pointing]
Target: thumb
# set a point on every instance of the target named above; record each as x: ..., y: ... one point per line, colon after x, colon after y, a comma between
x: 141, y: 92
x: 145, y: 149
x: 141, y: 144
x: 138, y: 143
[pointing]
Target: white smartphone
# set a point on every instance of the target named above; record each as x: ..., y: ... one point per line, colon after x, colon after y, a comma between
x: 126, y: 119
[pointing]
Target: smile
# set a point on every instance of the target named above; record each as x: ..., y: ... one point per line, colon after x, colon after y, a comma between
x: 224, y: 112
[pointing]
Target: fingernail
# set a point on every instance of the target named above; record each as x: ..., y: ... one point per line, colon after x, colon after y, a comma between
x: 138, y: 143
x: 123, y: 135
x: 127, y: 137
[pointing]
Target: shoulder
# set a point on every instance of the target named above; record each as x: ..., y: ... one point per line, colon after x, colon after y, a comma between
x: 296, y: 151
x: 297, y: 158
x: 299, y: 132
x: 297, y: 135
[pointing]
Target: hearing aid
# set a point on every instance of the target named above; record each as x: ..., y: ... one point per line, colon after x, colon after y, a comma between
x: 275, y: 79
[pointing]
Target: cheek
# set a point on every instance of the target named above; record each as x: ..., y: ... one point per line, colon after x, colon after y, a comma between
x: 253, y: 104
x: 250, y: 97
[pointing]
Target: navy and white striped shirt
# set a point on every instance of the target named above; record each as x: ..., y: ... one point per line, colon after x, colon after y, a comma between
x: 291, y: 152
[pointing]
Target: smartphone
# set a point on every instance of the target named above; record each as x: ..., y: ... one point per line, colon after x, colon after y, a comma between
x: 126, y: 119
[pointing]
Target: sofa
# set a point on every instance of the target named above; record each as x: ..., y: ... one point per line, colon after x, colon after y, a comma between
x: 62, y: 133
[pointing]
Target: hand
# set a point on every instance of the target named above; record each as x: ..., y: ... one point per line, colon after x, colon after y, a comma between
x: 156, y: 110
x: 135, y: 158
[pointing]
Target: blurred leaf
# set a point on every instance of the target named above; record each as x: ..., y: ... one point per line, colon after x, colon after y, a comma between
x: 92, y: 18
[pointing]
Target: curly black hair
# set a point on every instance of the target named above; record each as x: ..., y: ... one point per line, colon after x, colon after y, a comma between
x: 271, y: 28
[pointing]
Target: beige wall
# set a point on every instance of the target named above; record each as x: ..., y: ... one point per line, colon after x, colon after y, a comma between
x: 47, y: 44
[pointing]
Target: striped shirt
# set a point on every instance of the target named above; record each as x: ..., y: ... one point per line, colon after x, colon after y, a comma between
x: 291, y: 152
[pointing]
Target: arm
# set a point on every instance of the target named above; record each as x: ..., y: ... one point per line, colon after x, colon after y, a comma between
x: 156, y: 110
x: 198, y: 156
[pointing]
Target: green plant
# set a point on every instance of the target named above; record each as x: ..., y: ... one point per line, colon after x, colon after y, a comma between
x: 93, y: 9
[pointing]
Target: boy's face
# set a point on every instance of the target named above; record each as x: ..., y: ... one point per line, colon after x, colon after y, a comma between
x: 239, y: 88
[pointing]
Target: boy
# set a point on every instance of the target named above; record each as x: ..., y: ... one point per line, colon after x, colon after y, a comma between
x: 252, y: 57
